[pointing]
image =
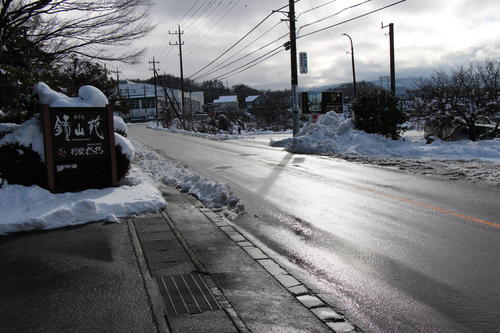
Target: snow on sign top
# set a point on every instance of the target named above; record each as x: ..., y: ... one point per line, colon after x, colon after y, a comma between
x: 88, y: 96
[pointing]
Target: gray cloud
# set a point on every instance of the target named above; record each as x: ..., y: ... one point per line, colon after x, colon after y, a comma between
x: 429, y: 34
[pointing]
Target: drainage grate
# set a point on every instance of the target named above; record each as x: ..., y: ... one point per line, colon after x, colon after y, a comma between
x: 186, y: 293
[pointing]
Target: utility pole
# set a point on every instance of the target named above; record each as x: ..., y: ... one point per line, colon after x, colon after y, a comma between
x: 353, y: 68
x: 293, y: 62
x: 393, y: 64
x: 156, y: 92
x: 117, y: 72
x: 180, y: 43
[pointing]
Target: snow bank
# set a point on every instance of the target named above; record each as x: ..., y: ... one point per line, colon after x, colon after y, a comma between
x: 219, y: 136
x: 211, y: 193
x: 335, y: 135
x: 88, y: 96
x: 33, y: 208
x: 29, y: 134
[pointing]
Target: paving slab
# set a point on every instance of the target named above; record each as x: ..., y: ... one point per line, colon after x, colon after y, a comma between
x: 258, y: 298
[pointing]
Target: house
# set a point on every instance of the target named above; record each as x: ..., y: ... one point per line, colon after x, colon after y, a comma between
x: 141, y: 99
x: 252, y: 101
x: 223, y: 104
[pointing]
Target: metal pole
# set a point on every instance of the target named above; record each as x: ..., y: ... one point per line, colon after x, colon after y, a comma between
x: 353, y: 67
x: 293, y: 62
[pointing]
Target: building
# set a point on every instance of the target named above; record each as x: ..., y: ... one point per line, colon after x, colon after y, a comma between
x: 141, y: 99
x: 252, y: 101
x: 226, y: 102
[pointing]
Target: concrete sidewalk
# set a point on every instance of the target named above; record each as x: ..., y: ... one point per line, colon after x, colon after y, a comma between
x: 212, y: 279
x: 81, y: 279
x: 185, y: 269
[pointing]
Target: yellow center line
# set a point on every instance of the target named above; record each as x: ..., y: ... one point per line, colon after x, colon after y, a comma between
x: 435, y: 208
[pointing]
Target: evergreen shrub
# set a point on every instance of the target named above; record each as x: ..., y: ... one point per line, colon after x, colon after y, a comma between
x: 377, y: 112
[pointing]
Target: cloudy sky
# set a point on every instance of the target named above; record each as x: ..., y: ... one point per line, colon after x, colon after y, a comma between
x: 428, y: 33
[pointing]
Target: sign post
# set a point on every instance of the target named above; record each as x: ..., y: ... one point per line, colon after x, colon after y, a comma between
x: 79, y: 142
x: 304, y: 68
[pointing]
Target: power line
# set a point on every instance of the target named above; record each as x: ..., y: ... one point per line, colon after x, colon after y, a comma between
x: 185, y: 14
x: 239, y: 41
x: 209, y: 7
x: 317, y: 7
x: 225, y: 64
x: 274, y: 52
x: 164, y: 44
x: 196, y: 42
x: 328, y: 31
x: 245, y: 69
x: 351, y: 19
x: 335, y: 14
x: 249, y: 63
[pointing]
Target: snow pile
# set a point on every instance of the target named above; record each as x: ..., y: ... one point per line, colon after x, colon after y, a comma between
x: 219, y: 136
x: 119, y: 125
x: 125, y: 145
x: 34, y: 208
x: 8, y: 127
x: 29, y: 135
x: 335, y: 135
x: 212, y: 194
x: 88, y: 96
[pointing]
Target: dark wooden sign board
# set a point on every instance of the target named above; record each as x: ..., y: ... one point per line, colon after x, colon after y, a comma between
x: 320, y: 103
x: 80, y: 144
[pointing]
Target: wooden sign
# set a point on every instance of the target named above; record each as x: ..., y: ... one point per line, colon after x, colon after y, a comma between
x: 79, y: 142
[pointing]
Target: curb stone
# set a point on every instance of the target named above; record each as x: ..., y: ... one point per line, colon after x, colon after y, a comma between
x: 150, y: 285
x: 335, y: 321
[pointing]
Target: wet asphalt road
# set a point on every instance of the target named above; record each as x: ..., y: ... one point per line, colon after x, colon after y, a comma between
x: 397, y: 252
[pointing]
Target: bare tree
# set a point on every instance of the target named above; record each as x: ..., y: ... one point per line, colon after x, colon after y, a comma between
x: 89, y: 28
x: 461, y: 98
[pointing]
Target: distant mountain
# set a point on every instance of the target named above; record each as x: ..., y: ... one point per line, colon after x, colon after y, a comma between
x: 402, y: 84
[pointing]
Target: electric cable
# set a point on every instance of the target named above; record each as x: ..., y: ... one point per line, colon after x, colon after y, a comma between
x: 224, y: 64
x: 351, y: 19
x: 335, y: 14
x: 239, y: 41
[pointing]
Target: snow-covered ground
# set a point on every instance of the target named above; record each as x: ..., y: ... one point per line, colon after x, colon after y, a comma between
x: 334, y: 136
x: 27, y: 208
x: 34, y: 208
x: 214, y: 195
x: 220, y: 136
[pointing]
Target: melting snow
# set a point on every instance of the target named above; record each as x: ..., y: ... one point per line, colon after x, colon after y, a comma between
x: 333, y: 135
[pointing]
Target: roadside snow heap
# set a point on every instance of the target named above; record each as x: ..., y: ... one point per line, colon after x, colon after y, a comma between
x: 24, y: 205
x: 334, y: 135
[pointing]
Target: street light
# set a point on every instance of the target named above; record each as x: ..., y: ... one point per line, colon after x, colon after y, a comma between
x: 353, y: 68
